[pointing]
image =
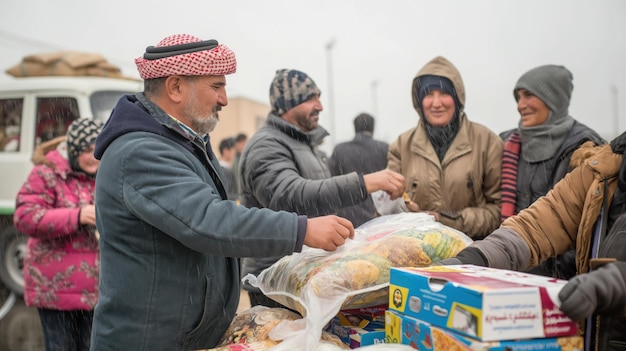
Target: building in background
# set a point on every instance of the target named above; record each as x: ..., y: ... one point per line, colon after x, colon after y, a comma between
x: 242, y: 115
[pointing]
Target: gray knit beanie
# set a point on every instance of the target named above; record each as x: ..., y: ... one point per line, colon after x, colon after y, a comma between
x: 289, y: 89
x: 552, y: 84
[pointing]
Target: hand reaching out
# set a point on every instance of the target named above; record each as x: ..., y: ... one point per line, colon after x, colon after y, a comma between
x: 328, y: 232
x: 387, y: 180
x: 414, y: 207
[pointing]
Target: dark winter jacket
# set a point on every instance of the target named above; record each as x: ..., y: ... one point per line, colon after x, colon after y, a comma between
x: 169, y: 240
x: 282, y: 169
x: 536, y: 179
x: 363, y: 155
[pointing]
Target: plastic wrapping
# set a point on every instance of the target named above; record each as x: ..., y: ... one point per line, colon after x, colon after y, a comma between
x: 318, y: 284
x: 250, y: 330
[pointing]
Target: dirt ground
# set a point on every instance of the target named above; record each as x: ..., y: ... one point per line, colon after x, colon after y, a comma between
x: 20, y: 330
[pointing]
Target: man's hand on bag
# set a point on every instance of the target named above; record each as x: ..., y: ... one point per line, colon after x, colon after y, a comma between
x: 387, y: 180
x: 328, y: 232
x: 602, y: 290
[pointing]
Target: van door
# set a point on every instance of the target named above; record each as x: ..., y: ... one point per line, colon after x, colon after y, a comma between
x: 25, y: 122
x: 12, y: 151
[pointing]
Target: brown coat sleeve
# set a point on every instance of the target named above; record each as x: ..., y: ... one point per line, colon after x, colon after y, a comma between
x: 550, y: 225
x: 566, y: 216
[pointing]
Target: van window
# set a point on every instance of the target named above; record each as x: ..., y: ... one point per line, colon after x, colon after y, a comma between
x: 10, y: 122
x: 102, y: 103
x: 54, y: 116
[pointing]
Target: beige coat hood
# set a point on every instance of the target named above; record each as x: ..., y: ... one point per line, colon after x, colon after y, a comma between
x: 440, y: 66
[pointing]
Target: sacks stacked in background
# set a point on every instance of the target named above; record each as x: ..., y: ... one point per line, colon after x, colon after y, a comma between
x: 318, y: 284
x: 65, y: 63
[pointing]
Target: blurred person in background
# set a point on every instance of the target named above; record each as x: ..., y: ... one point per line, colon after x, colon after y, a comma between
x: 363, y: 154
x: 240, y: 143
x: 452, y: 166
x: 537, y: 153
x: 55, y: 208
x: 227, y: 156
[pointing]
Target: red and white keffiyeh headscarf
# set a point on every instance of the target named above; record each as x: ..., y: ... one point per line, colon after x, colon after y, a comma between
x: 186, y: 55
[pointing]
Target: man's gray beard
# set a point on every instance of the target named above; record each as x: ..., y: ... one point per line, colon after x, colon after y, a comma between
x: 205, y: 125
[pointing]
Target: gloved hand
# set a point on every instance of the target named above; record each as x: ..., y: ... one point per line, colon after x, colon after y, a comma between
x: 601, y: 290
x: 469, y: 255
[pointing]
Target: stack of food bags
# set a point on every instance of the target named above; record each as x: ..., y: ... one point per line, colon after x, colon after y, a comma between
x: 250, y: 331
x: 318, y: 284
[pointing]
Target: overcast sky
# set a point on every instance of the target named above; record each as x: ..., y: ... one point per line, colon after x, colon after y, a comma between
x: 378, y: 48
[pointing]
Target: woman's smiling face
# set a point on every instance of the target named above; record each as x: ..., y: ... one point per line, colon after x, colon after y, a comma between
x: 532, y: 110
x: 438, y: 108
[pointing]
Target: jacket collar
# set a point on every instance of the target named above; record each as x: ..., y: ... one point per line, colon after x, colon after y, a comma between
x: 363, y: 136
x: 313, y: 137
x: 460, y: 145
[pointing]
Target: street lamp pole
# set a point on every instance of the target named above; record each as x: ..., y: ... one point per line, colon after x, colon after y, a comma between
x: 331, y: 107
x: 615, y: 96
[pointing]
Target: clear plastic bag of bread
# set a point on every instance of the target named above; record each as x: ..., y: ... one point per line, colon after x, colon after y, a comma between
x: 318, y: 284
x: 252, y: 329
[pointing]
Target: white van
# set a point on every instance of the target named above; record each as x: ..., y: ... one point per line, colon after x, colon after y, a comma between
x: 33, y: 110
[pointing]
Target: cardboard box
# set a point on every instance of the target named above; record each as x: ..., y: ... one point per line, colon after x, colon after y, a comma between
x: 484, y: 303
x: 356, y: 336
x: 360, y: 326
x: 402, y: 329
x: 372, y: 314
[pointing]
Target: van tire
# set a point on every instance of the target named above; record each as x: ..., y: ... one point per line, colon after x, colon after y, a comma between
x: 21, y: 329
x: 12, y: 251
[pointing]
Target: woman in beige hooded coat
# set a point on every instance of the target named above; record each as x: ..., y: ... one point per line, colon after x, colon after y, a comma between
x: 452, y: 166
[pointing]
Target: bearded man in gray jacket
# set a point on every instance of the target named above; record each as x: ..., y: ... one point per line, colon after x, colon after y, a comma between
x: 282, y: 169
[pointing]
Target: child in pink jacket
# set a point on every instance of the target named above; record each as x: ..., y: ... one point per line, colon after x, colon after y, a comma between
x: 55, y: 208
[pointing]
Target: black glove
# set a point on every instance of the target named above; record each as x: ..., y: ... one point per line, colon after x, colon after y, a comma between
x: 601, y: 290
x: 469, y: 255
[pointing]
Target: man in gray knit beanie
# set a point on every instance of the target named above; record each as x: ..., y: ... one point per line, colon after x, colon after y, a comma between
x: 289, y: 89
x: 282, y: 167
